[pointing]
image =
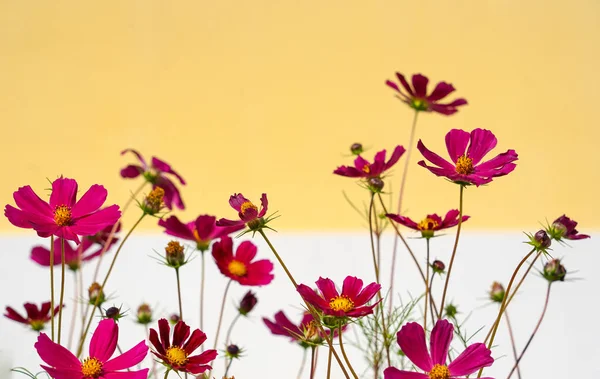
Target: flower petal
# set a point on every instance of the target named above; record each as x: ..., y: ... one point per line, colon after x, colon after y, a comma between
x: 131, y: 171
x: 441, y: 337
x: 236, y: 200
x: 498, y: 161
x: 196, y: 339
x: 161, y: 165
x: 63, y: 373
x: 327, y: 288
x: 104, y: 340
x: 394, y: 373
x: 205, y: 226
x: 141, y: 374
x: 264, y: 205
x: 128, y: 359
x: 206, y: 357
x: 349, y: 172
x: 246, y: 252
x: 411, y: 339
x: 419, y: 83
x: 93, y: 223
x: 138, y: 155
x: 405, y: 84
x: 442, y: 89
x: 456, y: 143
x: 472, y: 359
x: 311, y: 297
x: 402, y: 220
x: 396, y: 154
x: 482, y: 142
x: 13, y: 315
x: 153, y: 338
x: 352, y: 286
x: 434, y: 158
x: 64, y: 192
x: 90, y: 202
x: 176, y: 228
x: 259, y: 273
x: 29, y: 201
x: 172, y: 195
x: 180, y: 333
x: 165, y: 330
x: 366, y: 294
x: 56, y: 355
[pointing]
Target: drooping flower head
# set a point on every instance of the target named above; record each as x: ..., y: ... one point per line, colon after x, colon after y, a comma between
x: 36, y: 318
x: 65, y: 216
x: 202, y: 231
x: 366, y: 170
x: 305, y: 333
x: 350, y: 303
x: 564, y: 227
x: 159, y: 174
x: 247, y: 211
x: 431, y: 223
x: 418, y: 99
x: 73, y: 256
x: 177, y: 356
x: 466, y: 167
x: 239, y: 266
x: 247, y: 303
x: 411, y: 339
x: 62, y: 364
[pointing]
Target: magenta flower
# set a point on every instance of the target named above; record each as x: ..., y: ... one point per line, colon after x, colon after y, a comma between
x: 363, y: 169
x: 467, y: 168
x: 177, y: 356
x: 73, y: 256
x: 431, y: 223
x: 350, y: 303
x: 411, y: 339
x: 62, y: 364
x: 65, y: 217
x: 564, y: 227
x: 282, y: 326
x: 239, y: 266
x: 158, y: 174
x: 247, y: 211
x: 101, y: 238
x: 417, y: 98
x: 36, y: 318
x: 202, y: 231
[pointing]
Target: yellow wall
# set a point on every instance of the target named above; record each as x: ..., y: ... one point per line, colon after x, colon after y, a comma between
x: 267, y: 95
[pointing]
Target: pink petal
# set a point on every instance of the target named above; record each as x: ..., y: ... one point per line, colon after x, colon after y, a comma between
x: 367, y: 294
x: 419, y: 83
x: 63, y: 373
x: 29, y: 220
x: 360, y: 163
x: 205, y: 357
x: 41, y: 256
x: 236, y: 200
x: 259, y: 273
x: 442, y: 109
x: 13, y: 315
x: 223, y: 222
x: 164, y: 330
x: 472, y: 359
x: 402, y: 220
x: 128, y: 359
x: 64, y: 192
x: 55, y: 355
x: 104, y: 340
x: 153, y: 338
x: 441, y: 337
x: 352, y: 286
x: 482, y: 142
x: 90, y: 202
x: 180, y: 333
x: 498, y: 161
x: 405, y: 84
x: 29, y: 201
x: 205, y: 226
x: 165, y: 167
x: 246, y: 252
x: 264, y: 205
x: 442, y: 89
x: 396, y: 154
x: 434, y: 158
x: 456, y: 143
x: 450, y: 174
x: 172, y: 196
x: 138, y: 156
x: 176, y: 228
x: 393, y: 85
x: 411, y: 339
x: 95, y: 222
x: 327, y: 288
x: 349, y: 172
x: 131, y: 171
x: 311, y: 297
x: 394, y: 373
x: 196, y: 339
x: 141, y: 374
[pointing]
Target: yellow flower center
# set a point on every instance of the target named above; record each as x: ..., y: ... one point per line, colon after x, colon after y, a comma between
x: 177, y: 356
x: 91, y: 368
x: 174, y: 248
x: 247, y: 205
x: 62, y: 215
x: 366, y: 169
x: 464, y: 165
x: 420, y: 104
x: 237, y: 268
x: 341, y: 303
x: 439, y: 372
x: 427, y: 224
x: 154, y: 200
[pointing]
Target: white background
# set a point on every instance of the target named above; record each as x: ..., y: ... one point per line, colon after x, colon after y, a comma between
x: 566, y: 347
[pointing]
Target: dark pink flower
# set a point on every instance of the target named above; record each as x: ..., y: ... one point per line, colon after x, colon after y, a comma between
x: 178, y: 356
x: 65, y: 216
x: 305, y: 331
x: 73, y: 256
x: 239, y: 266
x: 467, y: 167
x: 411, y: 339
x: 363, y: 169
x: 417, y: 98
x: 202, y: 231
x: 431, y: 223
x: 62, y: 364
x: 247, y: 211
x: 350, y: 303
x: 158, y: 174
x: 101, y: 238
x: 36, y: 318
x: 564, y: 227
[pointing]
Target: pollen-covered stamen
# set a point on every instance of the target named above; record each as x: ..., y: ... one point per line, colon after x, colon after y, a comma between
x: 237, y: 268
x: 464, y: 165
x: 177, y: 356
x: 91, y: 368
x: 428, y: 224
x: 439, y: 372
x: 367, y: 168
x: 62, y: 215
x: 341, y: 303
x: 246, y: 205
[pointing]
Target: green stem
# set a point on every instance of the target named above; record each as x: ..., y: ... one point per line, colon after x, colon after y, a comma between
x: 512, y: 343
x: 302, y: 364
x: 460, y: 214
x: 228, y: 367
x: 426, y: 287
x: 166, y: 374
x: 179, y: 294
x: 221, y: 314
x: 62, y: 287
x: 52, y: 285
x: 202, y: 273
x: 344, y: 353
x: 74, y: 314
x: 313, y: 361
x: 230, y: 329
x: 329, y: 362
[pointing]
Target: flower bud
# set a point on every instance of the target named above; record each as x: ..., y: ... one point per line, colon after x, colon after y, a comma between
x: 356, y: 148
x: 451, y: 310
x: 554, y: 271
x: 112, y: 312
x: 174, y: 318
x: 153, y: 203
x: 248, y: 303
x: 542, y: 238
x: 144, y: 314
x: 438, y: 267
x: 375, y: 184
x: 96, y: 294
x: 174, y: 254
x: 233, y: 351
x: 497, y: 292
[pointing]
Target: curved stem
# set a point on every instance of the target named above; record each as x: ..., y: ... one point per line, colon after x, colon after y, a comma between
x: 112, y: 264
x: 74, y: 313
x: 459, y: 227
x: 166, y: 373
x: 62, y: 287
x: 426, y: 287
x: 179, y: 294
x: 230, y: 329
x: 228, y: 367
x: 522, y: 279
x: 302, y: 364
x: 537, y: 327
x: 221, y: 314
x: 344, y: 353
x: 512, y: 342
x: 52, y: 285
x: 202, y: 273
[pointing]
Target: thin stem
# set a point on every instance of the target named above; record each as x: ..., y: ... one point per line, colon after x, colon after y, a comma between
x: 373, y: 253
x: 344, y: 353
x: 431, y: 302
x: 522, y: 279
x: 153, y: 361
x: 230, y: 329
x: 228, y: 367
x: 221, y: 313
x: 62, y: 286
x: 512, y: 342
x: 74, y: 314
x: 537, y: 327
x: 302, y: 364
x: 313, y: 361
x: 426, y: 287
x: 289, y: 274
x: 82, y: 308
x: 329, y: 362
x: 492, y: 333
x: 52, y: 285
x: 112, y: 264
x: 179, y: 294
x: 459, y: 227
x: 166, y: 374
x: 202, y: 273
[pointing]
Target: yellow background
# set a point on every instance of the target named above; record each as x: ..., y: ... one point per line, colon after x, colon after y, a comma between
x: 253, y: 96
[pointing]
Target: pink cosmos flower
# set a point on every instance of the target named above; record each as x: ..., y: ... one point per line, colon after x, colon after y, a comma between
x: 239, y: 266
x: 417, y: 98
x: 467, y: 167
x: 431, y: 223
x: 177, y: 356
x: 363, y: 169
x: 282, y: 326
x: 157, y: 174
x: 564, y: 227
x: 65, y: 216
x: 350, y: 303
x: 248, y: 212
x: 101, y: 238
x: 202, y: 230
x: 36, y: 318
x: 41, y: 254
x: 411, y: 339
x: 62, y: 364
